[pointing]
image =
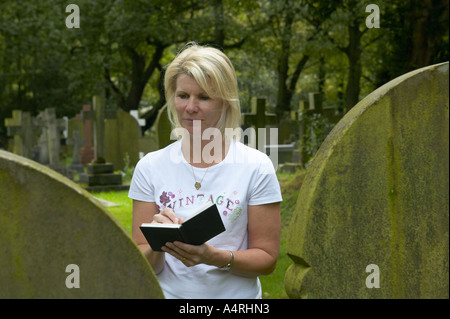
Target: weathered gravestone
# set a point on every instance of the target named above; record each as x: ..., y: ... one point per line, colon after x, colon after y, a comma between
x: 100, y: 173
x: 54, y: 235
x: 259, y: 119
x: 87, y: 152
x: 122, y: 137
x: 75, y: 142
x: 163, y: 128
x: 20, y: 127
x: 372, y: 217
x: 51, y: 136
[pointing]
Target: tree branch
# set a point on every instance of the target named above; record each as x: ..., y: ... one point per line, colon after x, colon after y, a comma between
x: 298, y: 70
x: 120, y: 96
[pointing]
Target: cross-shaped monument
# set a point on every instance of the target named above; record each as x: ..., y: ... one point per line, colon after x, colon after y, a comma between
x: 258, y: 117
x: 21, y: 128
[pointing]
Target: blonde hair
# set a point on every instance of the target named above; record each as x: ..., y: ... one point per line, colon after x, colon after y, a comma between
x: 214, y: 73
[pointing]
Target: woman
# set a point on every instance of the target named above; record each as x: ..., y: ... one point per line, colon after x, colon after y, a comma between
x: 208, y: 164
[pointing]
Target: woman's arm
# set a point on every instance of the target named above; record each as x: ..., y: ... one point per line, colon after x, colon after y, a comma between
x: 143, y: 212
x: 264, y: 231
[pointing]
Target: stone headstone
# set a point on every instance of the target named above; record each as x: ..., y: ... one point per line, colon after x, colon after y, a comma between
x: 87, y: 152
x: 122, y: 135
x: 20, y: 127
x: 51, y: 130
x: 57, y: 241
x: 163, y: 128
x: 259, y: 118
x: 75, y: 141
x: 315, y: 101
x: 99, y: 108
x: 372, y: 216
x: 75, y: 124
x: 42, y: 156
x: 135, y: 114
x: 101, y: 177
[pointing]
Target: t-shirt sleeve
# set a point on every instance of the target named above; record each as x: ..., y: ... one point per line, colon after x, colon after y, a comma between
x: 266, y: 188
x: 141, y: 187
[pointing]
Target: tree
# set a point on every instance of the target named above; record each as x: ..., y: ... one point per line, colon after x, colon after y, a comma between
x: 416, y: 36
x: 346, y: 33
x: 32, y: 59
x: 132, y: 58
x: 295, y: 25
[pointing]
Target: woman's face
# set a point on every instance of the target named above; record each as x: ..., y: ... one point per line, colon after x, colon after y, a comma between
x: 192, y: 103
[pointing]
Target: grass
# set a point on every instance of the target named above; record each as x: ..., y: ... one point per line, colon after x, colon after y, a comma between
x: 123, y: 212
x: 273, y: 284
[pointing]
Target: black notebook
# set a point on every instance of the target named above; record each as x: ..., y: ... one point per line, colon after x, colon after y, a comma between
x: 203, y: 225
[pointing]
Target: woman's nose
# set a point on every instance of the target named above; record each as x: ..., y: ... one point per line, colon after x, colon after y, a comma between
x: 191, y: 105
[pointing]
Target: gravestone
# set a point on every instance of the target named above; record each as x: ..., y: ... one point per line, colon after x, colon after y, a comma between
x: 122, y: 135
x: 87, y: 152
x: 143, y: 143
x: 312, y: 108
x: 163, y: 128
x: 75, y: 124
x: 288, y: 127
x: 373, y: 208
x: 75, y: 141
x: 100, y: 177
x: 40, y: 153
x: 99, y: 115
x: 54, y: 235
x: 20, y: 127
x: 51, y: 134
x: 135, y: 115
x: 259, y: 118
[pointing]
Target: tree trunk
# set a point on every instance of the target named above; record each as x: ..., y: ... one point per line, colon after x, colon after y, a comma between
x: 219, y: 23
x: 283, y: 65
x: 425, y: 20
x: 140, y: 75
x: 353, y: 52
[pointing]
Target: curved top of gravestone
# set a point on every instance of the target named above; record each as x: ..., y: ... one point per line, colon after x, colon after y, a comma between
x: 371, y: 219
x: 47, y: 225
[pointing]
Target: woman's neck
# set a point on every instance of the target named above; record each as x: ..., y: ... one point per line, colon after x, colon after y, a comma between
x: 204, y: 153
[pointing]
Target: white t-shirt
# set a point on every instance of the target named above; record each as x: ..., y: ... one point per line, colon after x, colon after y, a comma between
x: 245, y: 177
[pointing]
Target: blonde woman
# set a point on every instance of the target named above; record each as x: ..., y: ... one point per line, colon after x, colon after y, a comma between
x: 208, y: 164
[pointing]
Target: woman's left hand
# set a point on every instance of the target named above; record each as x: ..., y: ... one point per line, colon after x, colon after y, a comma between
x: 190, y: 255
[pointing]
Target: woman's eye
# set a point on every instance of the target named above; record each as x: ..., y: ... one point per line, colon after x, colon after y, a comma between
x: 204, y: 97
x: 182, y: 96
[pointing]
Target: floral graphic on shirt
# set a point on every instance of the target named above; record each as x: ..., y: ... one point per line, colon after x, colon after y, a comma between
x: 235, y: 214
x: 228, y: 205
x: 165, y: 198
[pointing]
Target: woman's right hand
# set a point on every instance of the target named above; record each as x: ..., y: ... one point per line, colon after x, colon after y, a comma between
x: 167, y: 216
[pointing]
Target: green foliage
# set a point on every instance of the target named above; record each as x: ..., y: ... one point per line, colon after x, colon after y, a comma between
x: 317, y: 129
x: 127, y: 172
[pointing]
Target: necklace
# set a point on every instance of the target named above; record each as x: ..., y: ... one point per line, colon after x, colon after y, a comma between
x: 197, y: 185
